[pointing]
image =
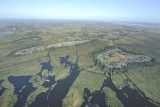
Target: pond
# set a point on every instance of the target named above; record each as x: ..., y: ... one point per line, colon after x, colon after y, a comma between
x: 3, y: 35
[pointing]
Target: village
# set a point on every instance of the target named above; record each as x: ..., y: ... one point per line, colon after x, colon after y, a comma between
x: 41, y: 48
x: 117, y: 58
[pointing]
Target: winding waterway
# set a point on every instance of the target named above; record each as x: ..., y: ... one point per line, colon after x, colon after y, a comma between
x: 22, y: 88
x: 54, y: 97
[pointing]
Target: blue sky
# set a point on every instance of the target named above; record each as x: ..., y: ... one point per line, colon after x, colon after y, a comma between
x: 109, y: 10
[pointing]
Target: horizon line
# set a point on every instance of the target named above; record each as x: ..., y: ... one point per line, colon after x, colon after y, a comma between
x: 74, y: 19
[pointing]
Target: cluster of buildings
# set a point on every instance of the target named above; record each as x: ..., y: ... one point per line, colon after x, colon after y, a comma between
x: 41, y: 48
x: 124, y: 60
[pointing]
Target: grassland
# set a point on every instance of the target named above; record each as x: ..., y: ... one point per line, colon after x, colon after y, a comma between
x: 135, y: 39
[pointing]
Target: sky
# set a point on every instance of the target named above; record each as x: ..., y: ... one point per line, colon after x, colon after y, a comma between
x: 106, y: 10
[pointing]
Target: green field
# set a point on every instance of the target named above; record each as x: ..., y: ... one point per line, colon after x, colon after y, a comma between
x: 54, y: 51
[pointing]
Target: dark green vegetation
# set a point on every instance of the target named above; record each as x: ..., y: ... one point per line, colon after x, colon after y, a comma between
x: 54, y: 63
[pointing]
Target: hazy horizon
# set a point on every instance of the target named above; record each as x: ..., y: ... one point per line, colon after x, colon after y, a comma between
x: 98, y: 10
